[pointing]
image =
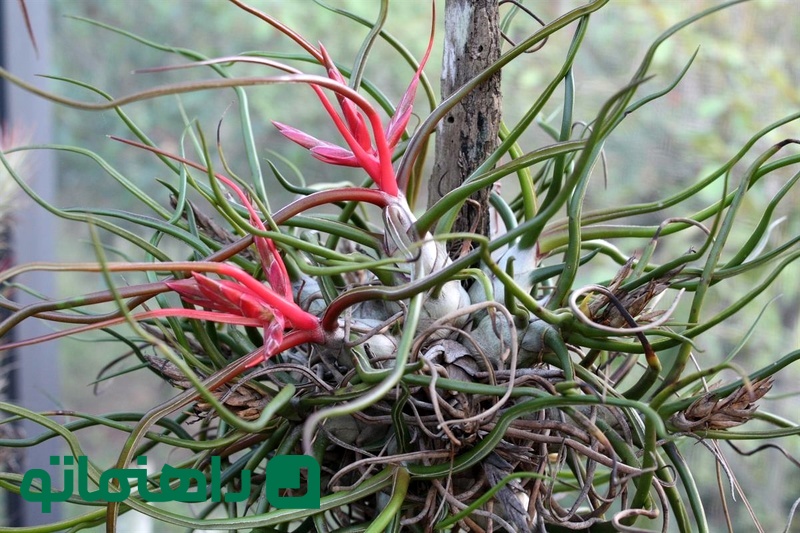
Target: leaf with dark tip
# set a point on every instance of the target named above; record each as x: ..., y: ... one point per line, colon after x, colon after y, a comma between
x: 28, y: 25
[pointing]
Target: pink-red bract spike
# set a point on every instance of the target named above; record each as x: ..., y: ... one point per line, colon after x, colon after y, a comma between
x: 373, y: 158
x: 402, y: 113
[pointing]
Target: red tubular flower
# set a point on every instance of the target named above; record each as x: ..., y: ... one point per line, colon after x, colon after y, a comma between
x: 234, y: 299
x: 241, y: 300
x: 272, y: 306
x: 373, y: 155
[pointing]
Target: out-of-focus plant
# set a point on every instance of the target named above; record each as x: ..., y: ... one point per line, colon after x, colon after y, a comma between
x: 489, y: 390
x: 10, y: 138
x: 9, y: 201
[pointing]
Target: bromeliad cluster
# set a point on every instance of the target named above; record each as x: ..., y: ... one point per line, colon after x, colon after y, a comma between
x: 480, y: 391
x: 360, y: 327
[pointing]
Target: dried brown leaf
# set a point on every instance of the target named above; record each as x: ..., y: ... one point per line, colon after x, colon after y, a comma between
x: 712, y: 413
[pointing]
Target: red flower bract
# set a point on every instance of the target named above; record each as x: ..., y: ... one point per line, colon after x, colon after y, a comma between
x: 374, y: 156
x: 273, y: 306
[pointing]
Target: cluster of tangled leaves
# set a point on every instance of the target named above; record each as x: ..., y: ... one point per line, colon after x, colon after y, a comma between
x: 482, y: 391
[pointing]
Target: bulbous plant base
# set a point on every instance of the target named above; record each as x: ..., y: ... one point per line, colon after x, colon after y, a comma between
x: 454, y: 402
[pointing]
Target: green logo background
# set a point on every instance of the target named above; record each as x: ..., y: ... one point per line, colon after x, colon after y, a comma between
x: 284, y: 472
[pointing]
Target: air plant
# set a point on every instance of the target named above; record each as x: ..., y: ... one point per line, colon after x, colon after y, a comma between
x: 483, y: 391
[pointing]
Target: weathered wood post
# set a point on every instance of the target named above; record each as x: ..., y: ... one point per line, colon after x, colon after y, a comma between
x: 469, y: 131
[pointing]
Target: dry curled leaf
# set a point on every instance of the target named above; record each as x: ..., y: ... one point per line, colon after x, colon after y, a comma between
x: 710, y: 412
x: 455, y: 358
x: 168, y: 371
x: 602, y: 311
x: 508, y: 496
x: 243, y: 400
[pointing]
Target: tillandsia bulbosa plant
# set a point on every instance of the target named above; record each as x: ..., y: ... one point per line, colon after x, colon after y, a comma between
x: 449, y: 367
